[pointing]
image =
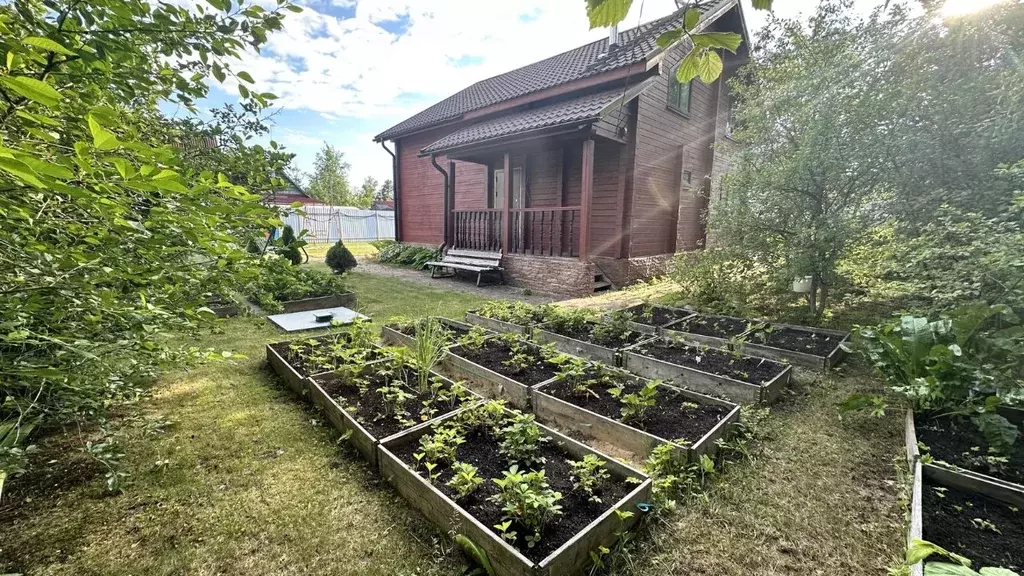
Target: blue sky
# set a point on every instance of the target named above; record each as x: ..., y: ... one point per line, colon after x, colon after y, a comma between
x: 345, y: 70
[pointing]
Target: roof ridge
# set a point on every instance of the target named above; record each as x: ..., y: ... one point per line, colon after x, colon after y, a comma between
x: 583, y: 61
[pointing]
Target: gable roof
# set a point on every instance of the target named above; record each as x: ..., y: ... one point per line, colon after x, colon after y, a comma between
x: 579, y: 110
x: 635, y: 45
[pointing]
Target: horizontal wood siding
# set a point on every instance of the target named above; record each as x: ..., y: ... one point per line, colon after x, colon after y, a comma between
x: 665, y: 217
x: 544, y: 173
x: 470, y: 186
x: 605, y: 205
x: 422, y: 193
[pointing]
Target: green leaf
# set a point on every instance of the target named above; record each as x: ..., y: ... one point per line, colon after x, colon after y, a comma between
x: 47, y: 168
x: 603, y: 13
x: 20, y: 170
x: 761, y: 4
x: 38, y: 118
x: 294, y: 8
x: 710, y: 67
x: 689, y: 67
x: 691, y: 19
x: 726, y: 40
x: 246, y: 77
x: 164, y: 174
x: 997, y: 572
x: 243, y: 91
x: 102, y: 138
x: 1000, y: 433
x: 669, y: 38
x: 35, y: 90
x: 218, y: 73
x: 48, y: 45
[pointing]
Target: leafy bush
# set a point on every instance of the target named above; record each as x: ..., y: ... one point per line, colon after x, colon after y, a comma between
x: 407, y: 255
x: 717, y: 281
x: 340, y: 259
x: 290, y: 245
x: 382, y: 244
x: 525, y: 497
x: 279, y: 281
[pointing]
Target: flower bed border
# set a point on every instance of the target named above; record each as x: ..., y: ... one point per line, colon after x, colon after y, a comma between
x: 567, y: 415
x: 803, y: 359
x: 498, y: 325
x: 582, y: 349
x: 361, y: 438
x: 393, y: 337
x: 954, y: 476
x: 487, y: 382
x: 706, y: 382
x: 292, y: 378
x: 570, y: 558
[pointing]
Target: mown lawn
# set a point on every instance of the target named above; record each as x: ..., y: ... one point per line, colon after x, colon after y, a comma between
x: 254, y: 483
x: 358, y: 249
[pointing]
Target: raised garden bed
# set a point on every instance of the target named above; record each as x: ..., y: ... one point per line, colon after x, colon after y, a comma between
x: 587, y: 340
x: 957, y: 443
x: 580, y: 400
x: 815, y: 348
x: 222, y: 307
x: 382, y: 400
x: 709, y: 329
x: 565, y: 541
x: 743, y: 379
x: 295, y: 360
x: 972, y: 517
x: 501, y: 367
x: 508, y: 317
x: 404, y: 334
x: 651, y: 318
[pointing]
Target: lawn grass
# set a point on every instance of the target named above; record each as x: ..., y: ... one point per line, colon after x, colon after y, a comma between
x: 358, y: 248
x: 257, y: 484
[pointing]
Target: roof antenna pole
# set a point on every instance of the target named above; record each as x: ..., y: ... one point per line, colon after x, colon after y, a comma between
x: 613, y: 36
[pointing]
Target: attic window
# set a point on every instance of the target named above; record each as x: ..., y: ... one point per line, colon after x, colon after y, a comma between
x: 679, y: 94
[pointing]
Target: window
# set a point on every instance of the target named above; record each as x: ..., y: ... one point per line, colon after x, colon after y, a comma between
x: 679, y: 94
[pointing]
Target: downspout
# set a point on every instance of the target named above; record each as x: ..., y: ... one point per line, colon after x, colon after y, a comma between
x: 396, y: 188
x: 433, y: 160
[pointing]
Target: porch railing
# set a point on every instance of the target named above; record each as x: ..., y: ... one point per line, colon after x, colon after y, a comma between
x: 551, y: 231
x: 477, y: 230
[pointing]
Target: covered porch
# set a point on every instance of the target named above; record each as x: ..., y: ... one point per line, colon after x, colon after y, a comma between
x: 555, y: 191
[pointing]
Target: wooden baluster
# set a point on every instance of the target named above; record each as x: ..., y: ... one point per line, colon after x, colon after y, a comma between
x: 572, y: 220
x: 551, y: 233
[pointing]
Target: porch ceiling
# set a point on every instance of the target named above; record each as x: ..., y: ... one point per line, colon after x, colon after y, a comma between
x: 576, y: 111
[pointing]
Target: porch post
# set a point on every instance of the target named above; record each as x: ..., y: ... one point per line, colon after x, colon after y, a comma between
x: 587, y: 190
x: 450, y: 216
x: 506, y: 209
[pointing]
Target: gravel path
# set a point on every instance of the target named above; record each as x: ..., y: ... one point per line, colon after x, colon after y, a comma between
x: 459, y: 283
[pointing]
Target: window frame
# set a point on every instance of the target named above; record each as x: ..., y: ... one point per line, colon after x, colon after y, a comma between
x: 675, y: 86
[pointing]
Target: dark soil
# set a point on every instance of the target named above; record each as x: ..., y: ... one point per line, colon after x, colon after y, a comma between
x: 660, y: 315
x: 494, y: 353
x: 481, y: 450
x: 957, y: 441
x: 717, y: 326
x: 955, y: 521
x: 368, y: 407
x: 586, y: 334
x: 302, y: 363
x: 668, y: 418
x: 795, y: 340
x: 742, y: 368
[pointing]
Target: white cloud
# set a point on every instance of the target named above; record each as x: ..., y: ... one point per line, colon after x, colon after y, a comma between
x: 361, y: 79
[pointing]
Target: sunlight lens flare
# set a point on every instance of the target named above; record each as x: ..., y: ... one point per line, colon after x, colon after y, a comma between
x: 962, y: 7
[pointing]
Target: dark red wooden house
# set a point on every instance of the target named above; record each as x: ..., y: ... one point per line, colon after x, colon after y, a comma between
x: 592, y: 165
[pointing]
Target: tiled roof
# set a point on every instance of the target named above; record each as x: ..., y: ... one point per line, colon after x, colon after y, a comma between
x: 634, y: 46
x: 584, y: 108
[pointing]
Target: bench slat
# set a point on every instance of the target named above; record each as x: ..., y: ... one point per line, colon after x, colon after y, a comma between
x: 475, y: 254
x: 462, y: 266
x: 471, y: 261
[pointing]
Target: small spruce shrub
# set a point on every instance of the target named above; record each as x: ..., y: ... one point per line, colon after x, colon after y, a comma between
x: 340, y: 259
x: 290, y: 246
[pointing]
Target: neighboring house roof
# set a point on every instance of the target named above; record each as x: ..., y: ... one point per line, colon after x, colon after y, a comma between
x: 583, y: 109
x: 635, y: 45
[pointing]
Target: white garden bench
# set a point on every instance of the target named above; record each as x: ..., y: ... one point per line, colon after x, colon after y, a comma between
x: 470, y: 260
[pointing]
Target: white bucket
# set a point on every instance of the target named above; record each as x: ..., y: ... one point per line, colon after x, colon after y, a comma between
x: 802, y: 285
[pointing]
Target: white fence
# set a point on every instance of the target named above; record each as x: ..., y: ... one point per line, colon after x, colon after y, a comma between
x: 333, y: 223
